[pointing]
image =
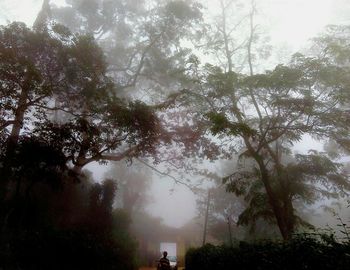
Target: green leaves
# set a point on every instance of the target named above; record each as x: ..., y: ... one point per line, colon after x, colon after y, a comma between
x: 270, y: 112
x: 221, y: 83
x: 220, y: 124
x: 302, y: 252
x: 239, y: 182
x: 182, y: 10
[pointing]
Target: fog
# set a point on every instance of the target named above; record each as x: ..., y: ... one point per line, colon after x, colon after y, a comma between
x: 206, y: 121
x: 288, y: 23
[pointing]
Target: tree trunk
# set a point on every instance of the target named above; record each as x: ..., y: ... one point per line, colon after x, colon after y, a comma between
x: 11, y: 145
x: 77, y: 169
x: 206, y: 219
x: 229, y: 230
x: 282, y: 216
x: 12, y: 140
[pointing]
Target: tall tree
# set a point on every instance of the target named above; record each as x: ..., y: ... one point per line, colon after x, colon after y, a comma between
x: 146, y: 59
x: 133, y: 182
x: 30, y: 69
x: 333, y: 47
x: 141, y: 38
x: 55, y: 71
x: 286, y: 108
x: 268, y: 113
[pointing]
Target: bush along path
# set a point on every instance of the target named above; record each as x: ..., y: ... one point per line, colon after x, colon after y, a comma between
x: 302, y: 252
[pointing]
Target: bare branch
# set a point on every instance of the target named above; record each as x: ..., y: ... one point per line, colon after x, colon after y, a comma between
x: 192, y: 188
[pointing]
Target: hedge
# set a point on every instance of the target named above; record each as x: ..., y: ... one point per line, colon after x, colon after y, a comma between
x: 303, y: 252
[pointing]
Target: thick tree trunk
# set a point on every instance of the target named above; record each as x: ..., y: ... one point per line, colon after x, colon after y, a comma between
x: 77, y: 169
x: 12, y: 140
x: 281, y: 213
x: 282, y: 216
x: 11, y: 144
x: 286, y: 200
x: 81, y: 160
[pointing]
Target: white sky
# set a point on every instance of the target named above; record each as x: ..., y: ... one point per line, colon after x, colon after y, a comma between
x: 21, y: 10
x: 290, y: 22
x: 295, y: 21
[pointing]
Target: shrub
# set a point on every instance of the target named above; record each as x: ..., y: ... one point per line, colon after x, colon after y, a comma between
x: 302, y: 252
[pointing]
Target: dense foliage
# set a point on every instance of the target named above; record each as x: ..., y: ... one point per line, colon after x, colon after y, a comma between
x: 63, y: 106
x: 259, y: 117
x: 303, y: 252
x: 59, y: 113
x: 114, y: 81
x: 59, y: 219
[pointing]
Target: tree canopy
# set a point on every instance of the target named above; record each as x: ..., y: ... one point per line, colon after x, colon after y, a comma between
x: 158, y: 81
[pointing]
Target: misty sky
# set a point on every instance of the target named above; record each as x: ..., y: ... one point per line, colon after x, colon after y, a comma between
x: 290, y: 24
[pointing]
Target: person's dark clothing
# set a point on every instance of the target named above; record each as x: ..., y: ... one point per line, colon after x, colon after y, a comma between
x: 164, y: 264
